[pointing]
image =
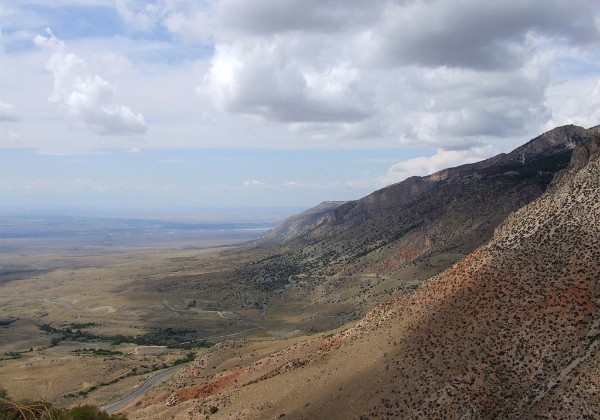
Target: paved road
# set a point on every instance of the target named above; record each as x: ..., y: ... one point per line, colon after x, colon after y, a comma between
x: 140, y: 390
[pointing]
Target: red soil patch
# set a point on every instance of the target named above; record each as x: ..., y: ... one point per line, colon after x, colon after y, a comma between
x: 212, y: 388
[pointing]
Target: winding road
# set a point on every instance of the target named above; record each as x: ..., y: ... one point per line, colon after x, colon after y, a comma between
x: 139, y: 391
x: 154, y: 380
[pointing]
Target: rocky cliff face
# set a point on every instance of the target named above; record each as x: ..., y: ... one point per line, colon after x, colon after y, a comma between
x: 554, y: 142
x: 294, y: 226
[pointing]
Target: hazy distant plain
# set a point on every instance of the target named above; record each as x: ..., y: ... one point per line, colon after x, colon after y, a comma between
x: 84, y: 235
x: 111, y: 276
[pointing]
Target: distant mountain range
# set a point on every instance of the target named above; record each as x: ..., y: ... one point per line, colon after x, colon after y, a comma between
x: 471, y: 293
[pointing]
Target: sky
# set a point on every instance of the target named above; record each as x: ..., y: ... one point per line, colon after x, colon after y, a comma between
x: 181, y: 104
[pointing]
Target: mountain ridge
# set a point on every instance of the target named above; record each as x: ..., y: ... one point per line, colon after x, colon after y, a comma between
x: 393, y: 239
x: 557, y: 141
x: 554, y: 142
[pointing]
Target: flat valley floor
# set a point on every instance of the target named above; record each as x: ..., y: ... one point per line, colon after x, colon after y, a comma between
x: 87, y: 322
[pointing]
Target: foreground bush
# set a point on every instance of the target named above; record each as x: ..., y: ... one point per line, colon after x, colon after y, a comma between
x: 43, y: 410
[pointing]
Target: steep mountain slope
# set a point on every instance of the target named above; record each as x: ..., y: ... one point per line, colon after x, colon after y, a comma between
x: 547, y: 152
x: 367, y: 250
x: 511, y: 331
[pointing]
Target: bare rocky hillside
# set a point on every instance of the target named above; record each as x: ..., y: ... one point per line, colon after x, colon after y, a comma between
x: 510, y: 331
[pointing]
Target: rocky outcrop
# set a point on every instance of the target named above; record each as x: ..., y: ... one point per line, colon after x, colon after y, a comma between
x: 554, y: 142
x: 295, y: 225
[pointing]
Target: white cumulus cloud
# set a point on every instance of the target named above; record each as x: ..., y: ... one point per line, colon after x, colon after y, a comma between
x: 410, y: 72
x: 141, y: 15
x: 451, y: 74
x: 270, y: 79
x: 254, y: 183
x: 88, y: 97
x: 422, y: 166
x: 7, y: 112
x: 575, y: 102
